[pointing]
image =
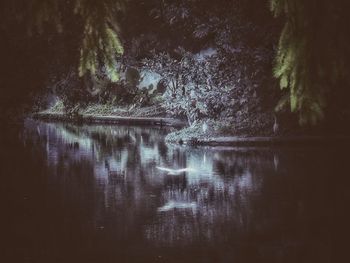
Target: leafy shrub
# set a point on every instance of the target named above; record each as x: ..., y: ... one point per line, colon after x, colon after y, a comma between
x: 195, y: 88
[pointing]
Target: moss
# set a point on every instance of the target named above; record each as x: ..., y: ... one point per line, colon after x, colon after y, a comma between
x: 256, y: 125
x: 58, y: 107
x: 200, y: 130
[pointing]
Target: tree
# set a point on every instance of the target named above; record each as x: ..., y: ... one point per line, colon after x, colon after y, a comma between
x: 100, y: 38
x: 98, y: 21
x: 312, y: 60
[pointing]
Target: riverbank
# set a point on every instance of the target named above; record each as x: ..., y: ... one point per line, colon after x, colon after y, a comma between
x: 256, y: 134
x: 109, y: 119
x: 209, y: 133
x: 295, y: 141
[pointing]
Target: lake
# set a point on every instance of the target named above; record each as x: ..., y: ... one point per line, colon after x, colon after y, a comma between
x: 80, y: 193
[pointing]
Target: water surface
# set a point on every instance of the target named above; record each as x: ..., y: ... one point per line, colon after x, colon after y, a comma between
x: 114, y: 194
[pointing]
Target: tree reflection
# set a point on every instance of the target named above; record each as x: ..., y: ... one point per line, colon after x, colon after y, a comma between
x: 107, y: 189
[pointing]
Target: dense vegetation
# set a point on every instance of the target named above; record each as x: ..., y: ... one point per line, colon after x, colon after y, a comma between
x: 212, y: 59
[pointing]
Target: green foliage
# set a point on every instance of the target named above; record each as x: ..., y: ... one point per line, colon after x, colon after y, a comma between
x: 100, y: 44
x: 100, y: 39
x: 310, y: 59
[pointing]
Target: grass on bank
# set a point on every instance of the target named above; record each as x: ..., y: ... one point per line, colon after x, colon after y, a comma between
x: 110, y: 110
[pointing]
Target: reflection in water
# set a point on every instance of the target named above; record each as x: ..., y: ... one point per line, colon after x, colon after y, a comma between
x: 177, y: 205
x: 175, y: 171
x: 120, y: 194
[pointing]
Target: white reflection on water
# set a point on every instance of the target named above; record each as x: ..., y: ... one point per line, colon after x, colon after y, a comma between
x: 175, y: 171
x: 177, y: 205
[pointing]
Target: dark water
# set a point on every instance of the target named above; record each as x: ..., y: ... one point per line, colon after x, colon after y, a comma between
x: 95, y: 194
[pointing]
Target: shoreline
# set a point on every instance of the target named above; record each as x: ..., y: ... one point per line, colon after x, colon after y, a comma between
x: 214, y: 141
x: 268, y: 141
x: 110, y: 119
